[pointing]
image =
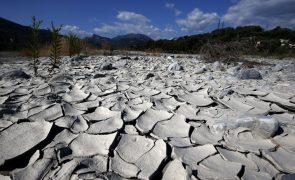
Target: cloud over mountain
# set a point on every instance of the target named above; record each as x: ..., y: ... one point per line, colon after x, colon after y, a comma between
x: 197, y: 21
x: 268, y: 13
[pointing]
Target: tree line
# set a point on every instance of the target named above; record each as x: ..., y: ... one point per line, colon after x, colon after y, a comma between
x: 74, y: 44
x: 251, y: 40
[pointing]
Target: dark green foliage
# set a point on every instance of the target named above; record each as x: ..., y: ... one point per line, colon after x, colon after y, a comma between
x: 247, y: 36
x: 75, y: 44
x: 55, y: 46
x: 35, y: 44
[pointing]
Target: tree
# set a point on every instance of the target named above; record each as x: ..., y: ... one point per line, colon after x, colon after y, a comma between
x: 35, y: 44
x: 56, y: 46
x: 75, y: 44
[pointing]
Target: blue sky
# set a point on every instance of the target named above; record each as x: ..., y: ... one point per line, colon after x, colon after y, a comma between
x: 156, y: 18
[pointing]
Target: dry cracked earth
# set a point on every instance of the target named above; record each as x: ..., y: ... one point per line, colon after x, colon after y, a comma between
x: 147, y: 118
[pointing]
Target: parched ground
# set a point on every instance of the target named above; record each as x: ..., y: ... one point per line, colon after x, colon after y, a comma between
x: 147, y: 118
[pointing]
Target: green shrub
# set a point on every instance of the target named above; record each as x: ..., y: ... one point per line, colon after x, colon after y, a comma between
x: 35, y: 44
x: 56, y: 46
x: 75, y: 44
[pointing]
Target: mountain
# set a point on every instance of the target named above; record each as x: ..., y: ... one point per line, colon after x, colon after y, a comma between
x: 131, y: 40
x: 14, y: 36
x: 98, y: 41
x: 122, y: 41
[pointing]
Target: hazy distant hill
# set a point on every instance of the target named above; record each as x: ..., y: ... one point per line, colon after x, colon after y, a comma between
x: 98, y: 41
x: 122, y: 41
x: 14, y: 36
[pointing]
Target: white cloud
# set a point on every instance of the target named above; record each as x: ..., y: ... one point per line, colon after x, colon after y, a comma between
x: 268, y: 13
x: 75, y: 30
x: 130, y: 22
x: 173, y: 8
x: 169, y: 30
x: 120, y: 27
x: 197, y: 21
x: 131, y: 16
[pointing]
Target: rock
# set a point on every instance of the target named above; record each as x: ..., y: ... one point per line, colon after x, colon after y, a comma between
x: 210, y: 168
x: 86, y: 145
x: 175, y: 67
x: 120, y: 63
x: 262, y: 126
x: 237, y: 157
x: 129, y: 129
x: 42, y: 90
x: 282, y: 159
x: 123, y: 168
x: 48, y: 114
x: 188, y: 111
x: 170, y: 57
x: 168, y: 104
x: 236, y: 104
x: 250, y: 174
x: 36, y: 171
x: 107, y: 66
x: 180, y: 142
x: 127, y: 57
x: 245, y: 74
x: 149, y: 75
x: 283, y: 102
x: 197, y: 99
x: 79, y: 125
x: 242, y: 140
x: 102, y: 113
x: 288, y: 176
x: 65, y: 137
x: 20, y: 138
x: 147, y: 121
x: 3, y: 99
x: 193, y: 155
x: 150, y: 161
x: 106, y: 126
x: 96, y: 164
x: 62, y: 78
x: 203, y: 135
x: 278, y: 67
x: 98, y: 75
x: 66, y: 170
x: 140, y: 151
x: 132, y: 147
x: 174, y: 171
x: 217, y: 66
x: 201, y: 70
x: 234, y: 70
x: 76, y: 58
x: 286, y: 141
x: 5, y: 177
x: 15, y: 74
x: 226, y: 92
x: 75, y: 95
x: 267, y: 127
x: 263, y: 165
x: 66, y: 121
x: 174, y: 127
x: 69, y: 110
x: 131, y: 114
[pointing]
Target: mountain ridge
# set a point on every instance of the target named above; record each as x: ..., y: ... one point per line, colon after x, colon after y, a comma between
x: 14, y: 36
x: 131, y: 40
